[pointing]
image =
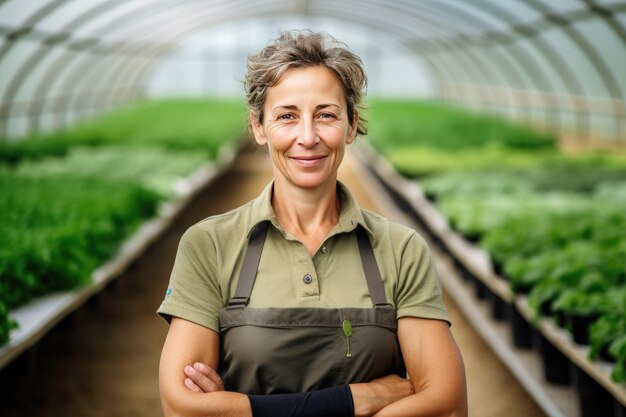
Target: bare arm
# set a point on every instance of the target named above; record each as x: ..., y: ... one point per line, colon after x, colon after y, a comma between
x: 435, y: 368
x: 190, y: 387
x: 186, y: 344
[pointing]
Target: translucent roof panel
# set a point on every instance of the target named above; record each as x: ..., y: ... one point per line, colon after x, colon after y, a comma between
x: 120, y: 18
x: 563, y: 6
x: 214, y: 62
x: 505, y: 50
x: 16, y: 13
x: 519, y: 9
x: 609, y: 47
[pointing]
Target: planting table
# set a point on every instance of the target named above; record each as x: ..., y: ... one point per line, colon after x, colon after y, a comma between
x: 38, y: 317
x: 557, y: 400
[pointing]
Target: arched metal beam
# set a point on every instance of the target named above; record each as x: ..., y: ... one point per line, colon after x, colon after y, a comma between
x: 554, y: 58
x: 27, y: 25
x: 64, y: 62
x: 508, y: 63
x: 94, y: 49
x: 84, y: 74
x: 608, y: 78
x: 532, y: 30
x: 407, y: 16
x: 24, y: 71
x: 352, y: 13
x: 197, y: 23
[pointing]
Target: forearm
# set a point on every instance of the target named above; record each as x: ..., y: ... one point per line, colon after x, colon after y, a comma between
x: 329, y: 402
x: 210, y: 404
x: 425, y: 404
x: 436, y: 371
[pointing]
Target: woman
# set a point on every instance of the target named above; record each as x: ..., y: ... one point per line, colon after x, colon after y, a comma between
x: 304, y: 303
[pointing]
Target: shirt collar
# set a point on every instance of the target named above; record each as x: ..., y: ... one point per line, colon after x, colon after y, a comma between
x: 349, y: 218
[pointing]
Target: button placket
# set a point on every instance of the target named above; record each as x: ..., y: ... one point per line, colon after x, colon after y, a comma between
x: 307, y: 280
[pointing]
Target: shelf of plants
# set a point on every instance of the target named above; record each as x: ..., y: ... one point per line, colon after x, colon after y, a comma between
x: 539, y: 234
x: 81, y: 205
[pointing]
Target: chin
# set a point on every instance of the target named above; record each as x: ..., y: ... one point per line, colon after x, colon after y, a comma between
x: 311, y: 182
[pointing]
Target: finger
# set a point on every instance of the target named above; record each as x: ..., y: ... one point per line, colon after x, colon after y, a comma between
x: 211, y: 374
x: 201, y: 380
x: 192, y: 386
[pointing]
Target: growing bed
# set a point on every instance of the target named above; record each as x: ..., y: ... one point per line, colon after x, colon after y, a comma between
x: 552, y: 225
x: 81, y: 204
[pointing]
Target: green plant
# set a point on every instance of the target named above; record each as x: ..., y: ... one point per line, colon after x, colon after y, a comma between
x: 6, y: 324
x: 410, y: 123
x: 69, y: 198
x: 617, y: 349
x: 588, y: 299
x: 199, y: 125
x: 553, y: 223
x: 56, y: 230
x: 153, y: 167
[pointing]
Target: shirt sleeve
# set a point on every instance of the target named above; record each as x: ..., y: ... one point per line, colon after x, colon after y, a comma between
x: 419, y: 291
x: 193, y: 292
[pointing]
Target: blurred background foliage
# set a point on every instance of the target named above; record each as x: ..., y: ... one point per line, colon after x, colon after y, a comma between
x: 553, y: 222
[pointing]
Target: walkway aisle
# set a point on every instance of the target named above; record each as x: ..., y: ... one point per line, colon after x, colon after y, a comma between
x: 103, y: 362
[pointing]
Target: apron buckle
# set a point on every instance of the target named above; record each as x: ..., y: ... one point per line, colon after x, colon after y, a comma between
x: 239, y: 301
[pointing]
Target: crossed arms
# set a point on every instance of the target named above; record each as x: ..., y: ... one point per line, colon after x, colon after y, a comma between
x: 190, y: 387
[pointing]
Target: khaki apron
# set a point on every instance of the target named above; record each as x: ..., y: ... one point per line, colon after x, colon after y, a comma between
x: 286, y: 350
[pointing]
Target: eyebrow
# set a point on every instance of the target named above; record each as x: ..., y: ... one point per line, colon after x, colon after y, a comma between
x: 294, y: 107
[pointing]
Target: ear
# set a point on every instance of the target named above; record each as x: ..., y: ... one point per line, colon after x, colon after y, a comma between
x: 257, y: 129
x: 353, y: 128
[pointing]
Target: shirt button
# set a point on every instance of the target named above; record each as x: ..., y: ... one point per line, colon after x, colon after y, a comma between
x: 323, y: 249
x: 307, y: 279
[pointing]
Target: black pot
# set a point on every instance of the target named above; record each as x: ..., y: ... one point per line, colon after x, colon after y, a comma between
x: 556, y: 366
x: 520, y: 328
x: 593, y: 399
x: 498, y: 268
x: 522, y: 288
x: 619, y: 409
x: 557, y: 315
x: 579, y: 324
x: 499, y: 307
x: 480, y: 289
x: 463, y: 271
x: 605, y: 355
x: 560, y: 319
x: 472, y: 237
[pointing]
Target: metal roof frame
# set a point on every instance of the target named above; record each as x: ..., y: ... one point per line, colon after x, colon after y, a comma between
x: 478, y: 53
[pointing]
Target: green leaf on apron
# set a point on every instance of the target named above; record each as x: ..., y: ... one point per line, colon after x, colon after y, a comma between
x: 347, y: 330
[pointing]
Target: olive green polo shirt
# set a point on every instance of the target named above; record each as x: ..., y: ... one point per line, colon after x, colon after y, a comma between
x: 211, y: 252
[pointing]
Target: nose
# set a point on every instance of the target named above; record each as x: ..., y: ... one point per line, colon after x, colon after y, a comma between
x: 308, y: 134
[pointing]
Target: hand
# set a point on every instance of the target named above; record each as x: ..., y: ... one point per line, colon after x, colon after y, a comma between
x: 371, y: 397
x: 202, y: 378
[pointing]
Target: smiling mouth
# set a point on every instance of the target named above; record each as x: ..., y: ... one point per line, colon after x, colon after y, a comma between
x: 308, y: 160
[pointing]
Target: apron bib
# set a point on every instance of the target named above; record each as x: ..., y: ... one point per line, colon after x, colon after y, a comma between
x: 286, y: 350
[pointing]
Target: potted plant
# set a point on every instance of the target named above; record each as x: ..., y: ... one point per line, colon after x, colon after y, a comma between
x: 581, y: 306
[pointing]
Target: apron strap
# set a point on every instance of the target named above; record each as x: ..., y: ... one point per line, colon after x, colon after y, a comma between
x: 370, y: 268
x: 251, y: 260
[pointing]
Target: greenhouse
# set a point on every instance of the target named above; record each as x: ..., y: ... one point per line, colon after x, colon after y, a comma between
x: 496, y: 135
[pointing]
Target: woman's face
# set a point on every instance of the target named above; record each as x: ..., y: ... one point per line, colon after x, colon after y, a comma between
x: 306, y: 126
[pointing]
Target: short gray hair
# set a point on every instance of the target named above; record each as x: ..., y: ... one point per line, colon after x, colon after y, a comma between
x: 298, y: 49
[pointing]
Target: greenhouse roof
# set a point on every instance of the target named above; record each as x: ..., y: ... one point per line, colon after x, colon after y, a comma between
x: 559, y: 63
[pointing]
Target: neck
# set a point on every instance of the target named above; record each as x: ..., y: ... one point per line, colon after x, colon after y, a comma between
x: 309, y: 214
